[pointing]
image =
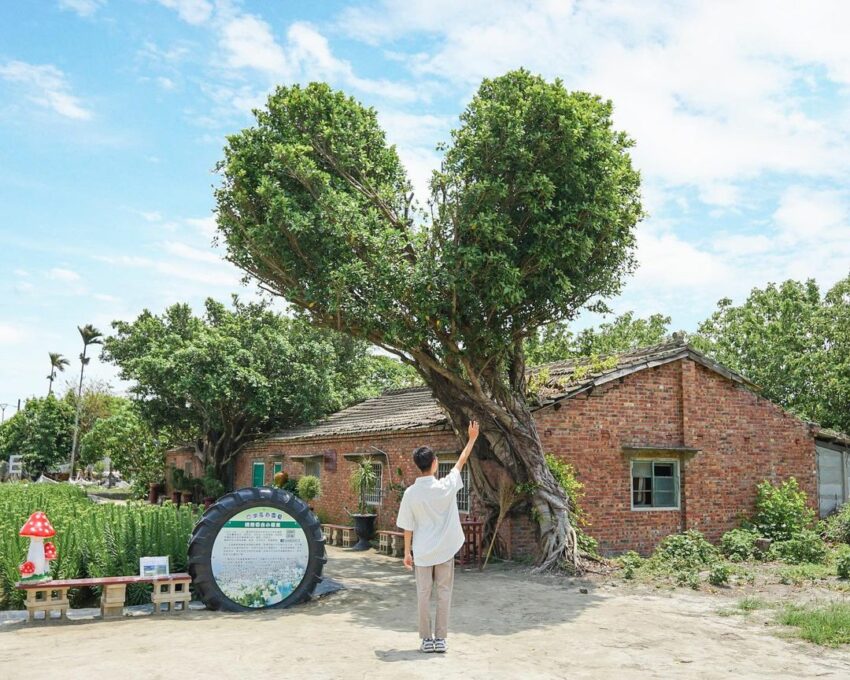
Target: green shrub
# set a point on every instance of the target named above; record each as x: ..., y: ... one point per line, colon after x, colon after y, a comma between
x: 309, y: 487
x: 739, y: 544
x: 719, y: 574
x: 842, y: 564
x: 630, y: 563
x: 805, y: 547
x: 838, y: 525
x: 781, y: 511
x: 686, y: 551
x: 688, y: 577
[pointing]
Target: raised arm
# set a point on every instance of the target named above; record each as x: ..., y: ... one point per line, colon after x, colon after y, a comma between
x: 467, y: 450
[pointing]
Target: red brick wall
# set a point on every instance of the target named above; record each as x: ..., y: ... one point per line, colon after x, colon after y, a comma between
x: 179, y: 458
x: 336, y: 491
x: 742, y: 437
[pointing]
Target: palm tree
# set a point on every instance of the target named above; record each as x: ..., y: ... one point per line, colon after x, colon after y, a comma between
x: 57, y: 363
x: 90, y: 336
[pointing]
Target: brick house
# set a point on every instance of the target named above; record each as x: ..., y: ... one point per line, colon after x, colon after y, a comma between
x: 663, y: 438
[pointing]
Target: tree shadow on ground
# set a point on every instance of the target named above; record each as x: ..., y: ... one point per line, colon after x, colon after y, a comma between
x: 502, y: 600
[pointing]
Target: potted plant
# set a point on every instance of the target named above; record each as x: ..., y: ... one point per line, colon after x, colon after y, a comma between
x: 213, y: 488
x: 363, y: 481
x: 177, y: 480
x: 188, y: 488
x: 153, y: 492
x: 309, y: 487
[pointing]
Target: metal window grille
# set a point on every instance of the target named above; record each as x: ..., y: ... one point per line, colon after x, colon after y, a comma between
x: 445, y: 468
x: 374, y: 496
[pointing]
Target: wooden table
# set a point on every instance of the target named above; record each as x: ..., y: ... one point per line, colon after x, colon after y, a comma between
x: 50, y: 596
x: 472, y: 549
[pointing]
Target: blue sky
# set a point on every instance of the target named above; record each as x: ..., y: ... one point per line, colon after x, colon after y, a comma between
x: 113, y: 115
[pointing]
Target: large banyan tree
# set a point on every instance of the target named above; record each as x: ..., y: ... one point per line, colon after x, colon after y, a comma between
x: 530, y: 218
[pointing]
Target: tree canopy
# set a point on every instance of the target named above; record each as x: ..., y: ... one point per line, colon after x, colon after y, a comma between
x: 530, y: 217
x: 220, y: 379
x: 41, y: 432
x: 556, y: 342
x: 793, y: 343
x: 126, y: 439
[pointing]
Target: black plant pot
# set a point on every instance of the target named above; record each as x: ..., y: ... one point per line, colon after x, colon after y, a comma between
x: 364, y: 525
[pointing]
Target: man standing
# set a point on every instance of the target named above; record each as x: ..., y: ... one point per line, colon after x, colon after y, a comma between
x: 429, y: 516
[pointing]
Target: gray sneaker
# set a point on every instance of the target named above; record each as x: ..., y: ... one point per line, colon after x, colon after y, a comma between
x: 440, y: 645
x: 427, y: 646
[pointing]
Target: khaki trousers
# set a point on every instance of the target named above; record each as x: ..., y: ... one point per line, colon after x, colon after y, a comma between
x: 442, y: 576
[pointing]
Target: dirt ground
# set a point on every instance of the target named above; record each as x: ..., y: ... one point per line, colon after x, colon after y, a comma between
x: 505, y: 624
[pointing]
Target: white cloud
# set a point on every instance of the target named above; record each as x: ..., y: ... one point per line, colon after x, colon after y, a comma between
x: 12, y: 335
x: 46, y: 86
x: 60, y: 274
x: 206, y: 226
x: 710, y: 91
x: 248, y: 42
x: 103, y: 297
x: 670, y: 263
x: 188, y: 252
x: 812, y: 214
x: 151, y: 215
x: 191, y: 11
x: 84, y: 8
x: 166, y: 83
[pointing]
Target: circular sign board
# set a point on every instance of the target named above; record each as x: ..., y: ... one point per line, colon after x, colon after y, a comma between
x: 255, y: 549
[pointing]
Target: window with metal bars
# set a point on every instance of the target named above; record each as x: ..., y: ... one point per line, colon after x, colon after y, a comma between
x: 444, y: 468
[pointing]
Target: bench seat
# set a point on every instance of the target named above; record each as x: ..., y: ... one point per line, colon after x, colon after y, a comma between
x: 391, y: 542
x: 170, y: 594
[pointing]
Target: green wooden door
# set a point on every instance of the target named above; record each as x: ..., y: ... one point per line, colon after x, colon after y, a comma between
x: 277, y: 467
x: 259, y: 477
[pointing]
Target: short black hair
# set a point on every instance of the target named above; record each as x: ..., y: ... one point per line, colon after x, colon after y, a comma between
x: 424, y: 458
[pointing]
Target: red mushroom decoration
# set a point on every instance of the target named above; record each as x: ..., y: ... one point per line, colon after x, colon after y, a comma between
x: 49, y: 551
x: 37, y: 528
x: 27, y: 569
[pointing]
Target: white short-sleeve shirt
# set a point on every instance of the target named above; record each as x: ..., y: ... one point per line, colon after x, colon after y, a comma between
x: 429, y: 509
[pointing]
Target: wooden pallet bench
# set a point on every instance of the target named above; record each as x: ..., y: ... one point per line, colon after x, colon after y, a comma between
x: 170, y: 594
x: 338, y: 534
x: 391, y: 542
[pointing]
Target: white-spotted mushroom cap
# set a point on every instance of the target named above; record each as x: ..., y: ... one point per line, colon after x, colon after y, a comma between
x: 49, y: 551
x: 38, y: 526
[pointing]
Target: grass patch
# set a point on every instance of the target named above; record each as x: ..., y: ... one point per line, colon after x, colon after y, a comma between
x: 827, y: 624
x: 800, y: 573
x: 751, y: 604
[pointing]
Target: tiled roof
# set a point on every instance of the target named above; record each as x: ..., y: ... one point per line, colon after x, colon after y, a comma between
x: 568, y: 378
x: 404, y: 409
x: 415, y: 408
x: 834, y: 436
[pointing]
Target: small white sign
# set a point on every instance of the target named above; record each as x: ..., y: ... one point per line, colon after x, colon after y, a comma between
x: 153, y: 566
x: 16, y: 466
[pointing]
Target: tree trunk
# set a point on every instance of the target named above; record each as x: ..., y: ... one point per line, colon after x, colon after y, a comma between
x: 77, y: 414
x: 514, y: 443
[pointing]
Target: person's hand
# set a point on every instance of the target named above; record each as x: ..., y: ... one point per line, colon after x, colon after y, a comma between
x: 408, y: 561
x: 473, y: 430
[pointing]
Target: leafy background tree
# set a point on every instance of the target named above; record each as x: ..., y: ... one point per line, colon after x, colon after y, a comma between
x: 41, y: 432
x: 133, y: 448
x: 531, y: 218
x: 219, y: 380
x: 792, y: 342
x: 556, y: 342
